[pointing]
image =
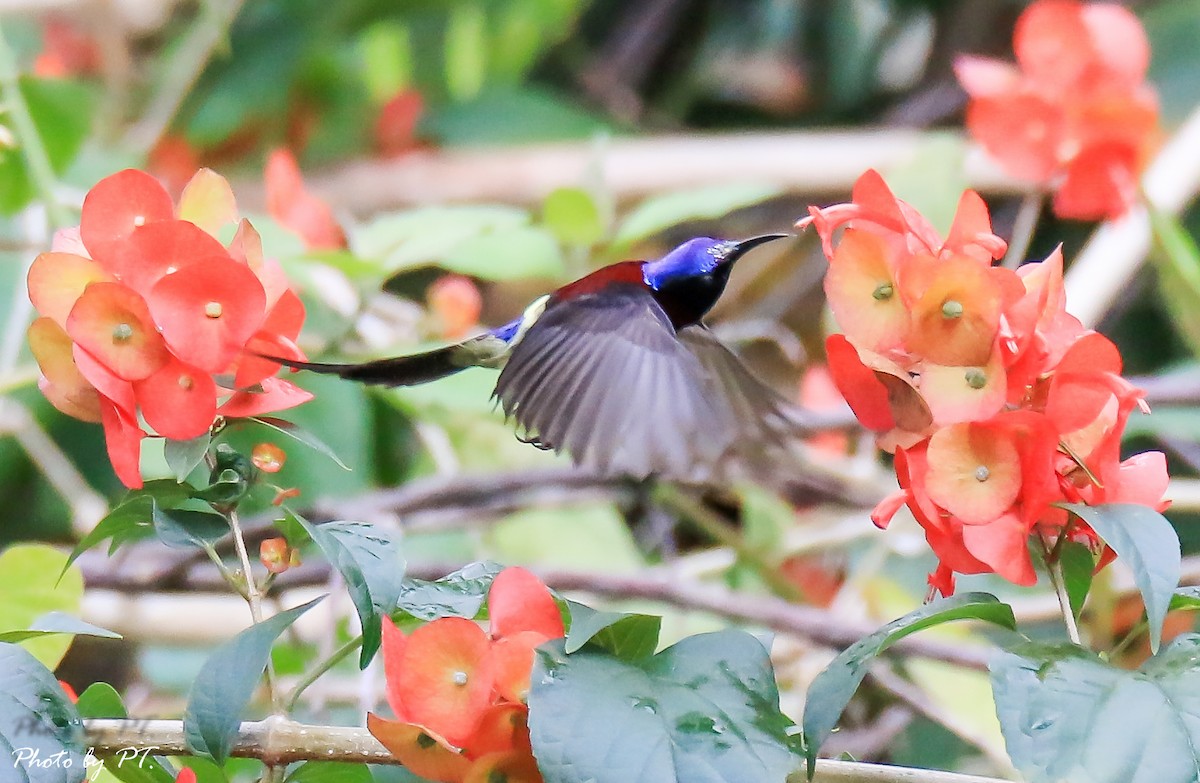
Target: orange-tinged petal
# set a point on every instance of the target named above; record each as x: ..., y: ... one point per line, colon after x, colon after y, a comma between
x: 84, y: 405
x: 971, y: 233
x: 291, y: 204
x: 1143, y: 479
x: 246, y: 245
x: 1002, y: 545
x: 1101, y: 183
x: 1052, y: 44
x: 877, y: 202
x: 863, y: 292
x: 114, y: 325
x: 956, y: 317
x: 866, y: 395
x: 208, y: 201
x: 275, y: 338
x: 974, y: 472
x: 512, y: 658
x: 983, y: 77
x: 456, y: 303
x: 208, y: 311
x: 153, y: 251
x: 511, y: 767
x: 56, y: 281
x: 420, y: 750
x: 446, y: 677
x: 394, y: 642
x: 958, y: 394
x: 52, y: 349
x: 1022, y: 132
x: 519, y: 601
x: 179, y: 401
x: 503, y: 727
x: 118, y: 204
x: 116, y: 390
x: 123, y: 438
x: 276, y: 395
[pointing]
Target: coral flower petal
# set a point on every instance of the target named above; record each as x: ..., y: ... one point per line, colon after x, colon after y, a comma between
x: 502, y: 728
x: 958, y: 394
x: 276, y: 395
x: 519, y: 601
x: 275, y: 338
x: 179, y: 401
x: 863, y: 293
x: 208, y: 201
x: 864, y: 392
x: 956, y: 310
x: 123, y: 438
x: 117, y: 205
x: 1118, y: 41
x: 1101, y: 183
x: 84, y: 406
x: 119, y: 392
x: 394, y: 642
x: 1052, y: 44
x: 56, y: 281
x: 114, y: 325
x: 208, y: 311
x: 971, y: 233
x: 1002, y: 545
x: 974, y: 472
x: 291, y: 204
x: 446, y: 677
x: 983, y: 77
x: 512, y: 767
x: 157, y: 249
x: 421, y: 751
x: 1022, y: 132
x: 512, y: 657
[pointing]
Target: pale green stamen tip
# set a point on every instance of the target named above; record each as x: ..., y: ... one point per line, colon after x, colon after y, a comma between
x: 460, y: 678
x: 952, y: 309
x: 213, y: 309
x: 976, y: 378
x: 122, y: 333
x: 982, y: 473
x: 883, y: 292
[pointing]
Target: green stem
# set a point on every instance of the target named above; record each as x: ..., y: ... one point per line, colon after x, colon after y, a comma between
x: 253, y: 596
x: 40, y: 170
x: 1054, y: 569
x: 711, y: 524
x: 334, y: 658
x: 1128, y: 639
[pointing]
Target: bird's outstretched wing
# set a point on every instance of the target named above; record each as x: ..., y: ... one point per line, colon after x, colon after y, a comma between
x: 606, y: 378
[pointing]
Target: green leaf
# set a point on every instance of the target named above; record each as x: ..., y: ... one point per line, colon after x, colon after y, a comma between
x: 704, y: 709
x: 330, y: 772
x: 56, y: 623
x: 36, y: 717
x: 30, y: 589
x: 370, y: 561
x: 1067, y: 715
x: 1146, y: 542
x: 61, y: 111
x: 572, y: 216
x: 101, y: 700
x: 132, y: 519
x: 508, y: 254
x: 194, y: 526
x: 630, y: 637
x: 419, y: 237
x: 1177, y: 262
x: 460, y: 594
x: 832, y: 689
x: 183, y: 456
x: 226, y: 682
x: 661, y: 212
x: 466, y: 50
x: 1078, y: 566
x: 932, y: 179
x: 1186, y: 598
x: 521, y: 115
x: 300, y: 435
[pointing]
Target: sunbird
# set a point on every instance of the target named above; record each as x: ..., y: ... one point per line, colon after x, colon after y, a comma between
x: 617, y: 370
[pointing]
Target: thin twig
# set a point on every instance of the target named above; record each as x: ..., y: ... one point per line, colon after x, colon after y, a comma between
x: 1055, y: 570
x: 317, y: 671
x: 1023, y: 229
x: 253, y: 597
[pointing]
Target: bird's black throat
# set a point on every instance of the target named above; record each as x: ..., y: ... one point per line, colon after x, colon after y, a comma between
x: 686, y: 299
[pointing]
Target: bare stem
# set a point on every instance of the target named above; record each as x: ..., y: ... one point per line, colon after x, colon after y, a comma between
x: 1054, y: 569
x: 1023, y: 229
x: 253, y: 596
x: 324, y: 666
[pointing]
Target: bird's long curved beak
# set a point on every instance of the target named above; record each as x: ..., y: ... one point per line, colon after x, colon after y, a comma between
x: 743, y: 247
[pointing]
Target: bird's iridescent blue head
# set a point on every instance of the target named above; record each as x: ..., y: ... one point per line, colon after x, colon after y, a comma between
x: 700, y: 256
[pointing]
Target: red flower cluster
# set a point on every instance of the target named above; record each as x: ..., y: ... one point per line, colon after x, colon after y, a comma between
x: 1076, y: 115
x: 996, y: 402
x: 459, y: 693
x: 144, y: 311
x: 291, y: 203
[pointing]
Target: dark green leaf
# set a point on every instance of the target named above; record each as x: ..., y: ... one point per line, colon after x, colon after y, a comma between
x: 630, y: 637
x: 101, y: 700
x: 300, y: 435
x: 330, y: 772
x: 1146, y: 542
x: 289, y: 525
x: 662, y: 212
x: 227, y: 487
x: 832, y: 689
x: 517, y: 116
x: 226, y: 682
x: 1078, y: 566
x: 460, y: 594
x: 369, y: 559
x: 57, y: 622
x: 183, y: 456
x: 705, y: 709
x: 1067, y: 715
x: 36, y: 717
x: 185, y: 528
x: 1177, y: 262
x: 132, y: 518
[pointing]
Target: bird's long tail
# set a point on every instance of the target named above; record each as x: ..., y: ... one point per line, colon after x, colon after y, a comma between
x: 399, y: 371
